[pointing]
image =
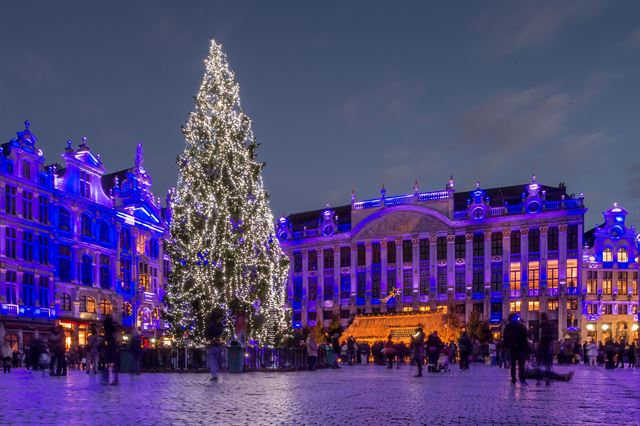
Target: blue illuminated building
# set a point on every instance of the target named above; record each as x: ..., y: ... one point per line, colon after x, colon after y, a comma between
x: 493, y: 251
x: 77, y: 244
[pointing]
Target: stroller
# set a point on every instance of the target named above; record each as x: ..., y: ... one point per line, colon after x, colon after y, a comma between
x: 443, y: 363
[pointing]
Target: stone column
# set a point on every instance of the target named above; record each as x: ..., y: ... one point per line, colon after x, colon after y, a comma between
x: 415, y: 241
x: 562, y: 279
x: 506, y: 271
x: 524, y: 274
x: 487, y: 275
x: 383, y: 274
x: 368, y: 261
x: 468, y: 279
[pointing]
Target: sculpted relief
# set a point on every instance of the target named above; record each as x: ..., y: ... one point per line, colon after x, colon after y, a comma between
x: 402, y: 223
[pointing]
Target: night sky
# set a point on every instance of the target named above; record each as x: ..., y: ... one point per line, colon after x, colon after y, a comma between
x: 345, y: 94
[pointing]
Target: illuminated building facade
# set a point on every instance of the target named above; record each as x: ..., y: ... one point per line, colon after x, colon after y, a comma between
x: 76, y: 243
x: 493, y: 251
x: 610, y: 274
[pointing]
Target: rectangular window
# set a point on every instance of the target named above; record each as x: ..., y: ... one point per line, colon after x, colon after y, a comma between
x: 10, y: 199
x: 572, y: 304
x: 552, y: 305
x: 43, y: 210
x: 607, y: 309
x: 533, y: 305
x: 313, y: 288
x: 478, y: 281
x: 496, y: 244
x: 407, y: 251
x: 534, y: 276
x: 85, y: 184
x: 552, y: 238
x: 534, y: 240
x: 43, y: 292
x: 552, y: 274
x: 592, y: 309
x: 622, y: 282
x: 126, y: 274
x: 10, y: 287
x: 64, y: 263
x: 28, y: 296
x: 460, y: 281
x: 297, y: 289
x: 391, y: 280
x: 407, y: 282
x: 327, y: 258
x: 496, y: 277
x: 634, y: 283
x: 376, y: 278
x: 312, y: 260
x: 572, y: 272
x: 362, y: 255
x: 391, y: 252
x: 442, y: 281
x: 328, y: 287
x: 361, y: 285
x: 345, y: 257
x: 105, y: 271
x: 607, y: 282
x: 43, y: 249
x: 623, y: 309
x: 515, y: 242
x: 345, y: 286
x: 592, y: 282
x: 424, y: 249
x: 572, y: 237
x: 460, y: 246
x: 478, y: 245
x: 424, y: 281
x: 514, y: 276
x: 10, y: 243
x: 375, y: 253
x: 514, y: 306
x: 441, y: 248
x: 27, y: 205
x: 297, y: 262
x: 27, y: 246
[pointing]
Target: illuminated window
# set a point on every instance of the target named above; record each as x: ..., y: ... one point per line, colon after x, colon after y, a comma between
x: 514, y: 276
x: 534, y: 305
x: 514, y: 306
x: 607, y: 279
x: 534, y: 276
x: 607, y: 255
x: 91, y: 305
x: 622, y: 282
x: 552, y: 274
x: 552, y: 305
x: 572, y: 304
x: 141, y: 248
x: 623, y: 256
x: 634, y: 283
x: 592, y: 309
x: 105, y: 307
x: 572, y: 272
x: 592, y: 282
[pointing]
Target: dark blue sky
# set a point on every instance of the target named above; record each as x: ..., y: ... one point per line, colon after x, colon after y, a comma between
x: 345, y: 94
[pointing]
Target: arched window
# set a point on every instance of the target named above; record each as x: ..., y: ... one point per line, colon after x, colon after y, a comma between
x: 607, y: 255
x: 103, y: 232
x: 26, y: 170
x: 86, y: 225
x: 105, y: 307
x: 623, y: 255
x: 91, y: 305
x: 86, y: 270
x: 64, y: 219
x: 66, y: 302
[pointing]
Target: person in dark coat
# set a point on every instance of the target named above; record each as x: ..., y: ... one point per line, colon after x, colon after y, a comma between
x: 464, y: 345
x: 111, y: 350
x: 515, y: 340
x: 335, y: 345
x: 434, y: 345
x: 417, y: 349
x: 546, y: 339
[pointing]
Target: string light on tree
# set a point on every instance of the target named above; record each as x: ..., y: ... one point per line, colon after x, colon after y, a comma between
x: 223, y: 251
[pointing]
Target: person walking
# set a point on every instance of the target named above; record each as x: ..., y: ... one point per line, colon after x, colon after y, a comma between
x: 111, y: 350
x: 464, y: 345
x: 592, y: 352
x: 60, y: 352
x: 515, y: 340
x: 417, y: 349
x: 93, y: 351
x: 312, y: 351
x: 213, y: 332
x: 335, y: 345
x: 631, y: 355
x: 493, y: 354
x: 389, y: 352
x: 545, y: 354
x: 135, y: 348
x: 434, y: 345
x: 6, y: 357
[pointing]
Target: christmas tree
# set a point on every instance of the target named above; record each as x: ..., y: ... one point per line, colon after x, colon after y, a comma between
x: 224, y: 255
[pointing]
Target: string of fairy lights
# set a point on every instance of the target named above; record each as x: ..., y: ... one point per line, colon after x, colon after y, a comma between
x: 223, y: 251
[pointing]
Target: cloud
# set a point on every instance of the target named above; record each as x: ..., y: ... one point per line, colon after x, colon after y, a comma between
x: 519, y: 25
x: 389, y: 101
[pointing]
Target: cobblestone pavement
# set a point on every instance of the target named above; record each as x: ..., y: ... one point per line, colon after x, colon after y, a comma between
x: 353, y: 395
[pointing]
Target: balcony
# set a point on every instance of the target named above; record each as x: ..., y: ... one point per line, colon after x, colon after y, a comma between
x: 533, y: 292
x: 515, y: 294
x: 552, y: 292
x: 572, y: 291
x: 14, y: 310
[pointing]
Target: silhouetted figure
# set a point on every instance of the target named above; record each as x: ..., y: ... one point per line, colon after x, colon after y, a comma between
x: 515, y: 339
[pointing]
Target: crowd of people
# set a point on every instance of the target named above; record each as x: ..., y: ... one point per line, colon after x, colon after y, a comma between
x: 100, y: 353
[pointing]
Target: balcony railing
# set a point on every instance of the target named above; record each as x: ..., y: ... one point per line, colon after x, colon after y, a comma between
x: 552, y: 292
x: 533, y: 292
x: 514, y: 294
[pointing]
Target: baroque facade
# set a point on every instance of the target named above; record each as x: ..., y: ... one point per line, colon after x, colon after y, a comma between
x: 492, y: 251
x: 77, y: 244
x: 610, y: 274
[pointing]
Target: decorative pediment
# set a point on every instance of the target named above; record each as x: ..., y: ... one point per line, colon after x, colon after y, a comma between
x: 143, y: 212
x: 402, y: 222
